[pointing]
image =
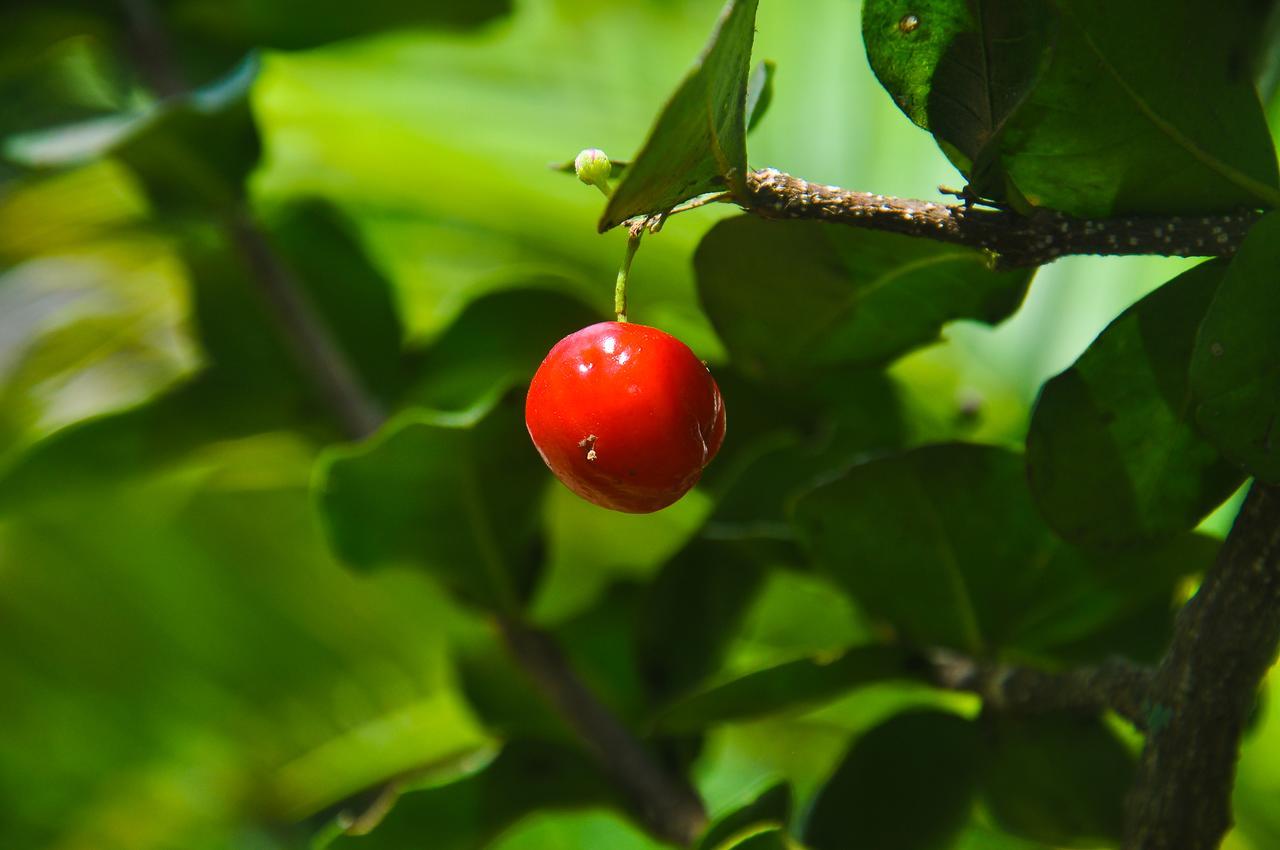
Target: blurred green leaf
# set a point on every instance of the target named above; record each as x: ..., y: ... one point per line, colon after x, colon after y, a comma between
x: 787, y: 687
x: 908, y: 784
x: 690, y: 611
x: 1058, y: 779
x: 759, y: 92
x: 192, y: 153
x: 496, y: 343
x: 698, y: 142
x: 1112, y: 455
x: 767, y: 813
x: 960, y: 69
x: 526, y: 777
x: 867, y: 296
x: 457, y: 495
x: 1235, y: 368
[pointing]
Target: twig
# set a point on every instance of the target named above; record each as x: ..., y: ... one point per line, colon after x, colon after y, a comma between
x: 1224, y: 641
x: 1115, y: 685
x: 1017, y: 240
x: 314, y: 348
x: 671, y: 810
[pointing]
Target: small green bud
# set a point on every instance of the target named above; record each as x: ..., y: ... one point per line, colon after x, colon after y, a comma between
x: 592, y: 167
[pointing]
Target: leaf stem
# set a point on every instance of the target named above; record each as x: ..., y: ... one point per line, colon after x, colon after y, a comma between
x: 620, y: 288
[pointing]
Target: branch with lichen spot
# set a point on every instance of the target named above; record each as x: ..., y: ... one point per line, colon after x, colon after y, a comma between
x: 1116, y: 685
x: 1017, y: 240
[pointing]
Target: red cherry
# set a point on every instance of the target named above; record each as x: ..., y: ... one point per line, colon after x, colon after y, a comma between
x: 625, y: 415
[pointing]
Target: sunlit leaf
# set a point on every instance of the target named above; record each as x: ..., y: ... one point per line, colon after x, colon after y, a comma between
x: 698, y: 143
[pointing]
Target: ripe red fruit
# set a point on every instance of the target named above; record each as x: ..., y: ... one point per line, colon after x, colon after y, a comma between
x: 625, y: 415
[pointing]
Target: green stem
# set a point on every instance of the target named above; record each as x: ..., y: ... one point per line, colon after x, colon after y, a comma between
x: 620, y: 289
x: 603, y: 185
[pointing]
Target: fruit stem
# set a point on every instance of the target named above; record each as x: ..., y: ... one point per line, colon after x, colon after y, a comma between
x: 620, y: 289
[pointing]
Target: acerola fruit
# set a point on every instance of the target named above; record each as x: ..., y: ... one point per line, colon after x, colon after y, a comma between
x: 625, y: 415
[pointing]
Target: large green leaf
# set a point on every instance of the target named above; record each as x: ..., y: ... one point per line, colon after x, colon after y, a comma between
x: 956, y: 524
x: 457, y: 495
x: 960, y: 69
x: 786, y: 296
x: 690, y: 611
x: 1120, y: 105
x: 699, y: 142
x: 1235, y: 369
x: 908, y: 784
x: 1112, y: 453
x: 1059, y: 779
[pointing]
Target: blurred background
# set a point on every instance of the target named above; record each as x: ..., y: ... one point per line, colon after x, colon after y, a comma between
x: 183, y: 664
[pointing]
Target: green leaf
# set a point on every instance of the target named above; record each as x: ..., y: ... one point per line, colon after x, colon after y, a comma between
x: 952, y: 522
x: 691, y: 610
x: 767, y: 813
x: 698, y: 143
x: 526, y: 777
x: 960, y: 69
x: 457, y: 496
x: 1087, y: 106
x: 955, y: 523
x: 1060, y: 779
x: 192, y: 154
x: 1113, y: 456
x: 867, y: 296
x: 1123, y: 105
x: 759, y: 92
x: 1235, y: 369
x: 793, y: 686
x: 907, y: 784
x: 496, y: 343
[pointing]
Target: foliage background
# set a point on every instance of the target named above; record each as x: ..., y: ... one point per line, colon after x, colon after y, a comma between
x: 183, y: 663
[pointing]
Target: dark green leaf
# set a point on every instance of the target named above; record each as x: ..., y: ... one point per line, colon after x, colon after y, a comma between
x: 1124, y: 105
x: 960, y: 69
x: 768, y: 812
x: 785, y: 296
x: 690, y: 612
x: 455, y: 495
x: 956, y: 524
x: 795, y: 685
x: 908, y: 784
x: 951, y: 522
x: 495, y: 343
x: 1086, y: 107
x: 1235, y: 369
x: 759, y: 92
x: 526, y: 777
x: 698, y: 143
x: 1056, y: 778
x: 1112, y: 454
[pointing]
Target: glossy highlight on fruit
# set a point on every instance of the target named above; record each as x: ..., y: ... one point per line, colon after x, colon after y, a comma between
x: 625, y: 415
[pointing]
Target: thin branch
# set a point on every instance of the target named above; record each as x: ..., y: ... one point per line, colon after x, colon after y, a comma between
x: 314, y: 348
x: 671, y: 810
x: 1017, y: 240
x: 1116, y: 685
x: 1224, y: 641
